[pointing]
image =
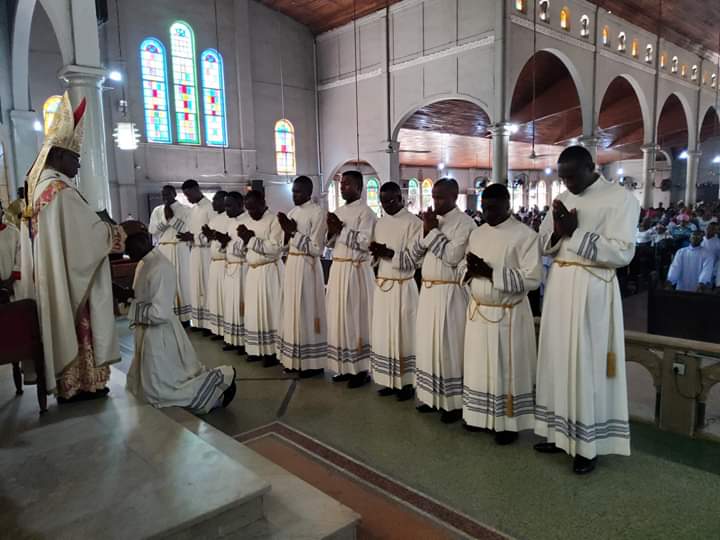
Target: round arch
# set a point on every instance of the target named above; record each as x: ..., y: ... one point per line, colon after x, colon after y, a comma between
x: 639, y: 94
x: 708, y: 112
x: 689, y: 117
x: 364, y: 166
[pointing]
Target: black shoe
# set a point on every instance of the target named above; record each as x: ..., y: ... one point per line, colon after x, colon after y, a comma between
x: 307, y: 373
x: 342, y: 378
x: 474, y: 429
x: 384, y: 392
x: 229, y: 394
x: 361, y: 379
x: 241, y: 351
x: 583, y: 465
x: 229, y: 347
x: 252, y: 359
x: 407, y: 392
x: 505, y: 437
x: 289, y: 371
x: 185, y: 324
x: 207, y: 333
x: 217, y: 338
x: 195, y: 329
x: 424, y: 408
x: 547, y: 448
x: 84, y: 396
x: 450, y: 417
x: 270, y: 360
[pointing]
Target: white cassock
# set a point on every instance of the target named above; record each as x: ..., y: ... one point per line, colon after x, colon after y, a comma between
x: 500, y: 350
x: 691, y: 267
x: 263, y: 285
x: 73, y: 286
x: 440, y: 330
x: 581, y: 397
x: 177, y: 252
x: 350, y: 291
x: 395, y: 302
x: 234, y: 284
x: 9, y: 253
x: 303, y: 342
x: 165, y: 371
x: 200, y: 214
x: 216, y: 277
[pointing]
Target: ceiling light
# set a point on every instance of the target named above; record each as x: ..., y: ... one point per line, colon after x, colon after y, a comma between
x: 716, y: 159
x: 548, y: 171
x: 115, y: 75
x: 514, y: 128
x: 621, y: 171
x: 441, y: 166
x: 683, y: 155
x: 126, y: 136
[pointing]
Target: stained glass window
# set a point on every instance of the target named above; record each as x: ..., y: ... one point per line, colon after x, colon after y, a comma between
x: 213, y: 84
x: 182, y: 46
x: 413, y: 202
x: 50, y: 108
x: 285, y: 147
x: 153, y: 66
x: 373, y: 195
x: 426, y: 194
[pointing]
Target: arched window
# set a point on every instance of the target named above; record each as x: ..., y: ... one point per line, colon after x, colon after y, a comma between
x: 584, y: 26
x: 544, y: 10
x: 516, y: 194
x: 285, y: 147
x: 649, y: 54
x: 332, y: 196
x: 213, y: 89
x: 694, y: 73
x: 556, y: 189
x: 153, y: 69
x: 683, y: 71
x: 413, y: 202
x: 565, y: 19
x: 426, y: 194
x: 542, y: 194
x: 50, y: 108
x: 634, y: 48
x: 606, y: 36
x: 520, y: 6
x: 705, y: 78
x: 373, y: 195
x: 479, y: 188
x: 713, y: 80
x: 663, y: 61
x: 675, y: 64
x: 622, y: 42
x: 533, y: 196
x: 182, y: 47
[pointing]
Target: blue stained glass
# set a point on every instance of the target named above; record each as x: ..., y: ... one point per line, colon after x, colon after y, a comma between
x: 155, y: 91
x: 213, y: 88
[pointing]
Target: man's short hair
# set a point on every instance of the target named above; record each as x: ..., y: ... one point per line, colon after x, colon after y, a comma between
x: 305, y: 182
x: 390, y: 187
x: 356, y: 176
x: 190, y: 184
x: 236, y: 195
x: 168, y: 187
x: 449, y: 184
x: 576, y: 154
x: 255, y: 194
x: 220, y: 193
x: 496, y: 191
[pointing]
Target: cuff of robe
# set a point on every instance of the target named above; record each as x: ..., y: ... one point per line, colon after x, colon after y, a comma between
x: 508, y: 280
x: 584, y: 244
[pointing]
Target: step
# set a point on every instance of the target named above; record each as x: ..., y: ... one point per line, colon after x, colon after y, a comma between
x: 293, y: 509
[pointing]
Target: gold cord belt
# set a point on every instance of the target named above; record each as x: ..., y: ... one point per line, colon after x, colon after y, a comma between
x: 166, y: 243
x: 213, y: 259
x: 588, y: 268
x: 430, y: 283
x: 381, y: 281
x: 311, y: 258
x: 355, y: 262
x: 258, y: 265
x: 234, y: 262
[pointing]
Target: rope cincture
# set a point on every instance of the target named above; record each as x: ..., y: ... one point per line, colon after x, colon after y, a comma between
x: 381, y: 281
x: 430, y: 283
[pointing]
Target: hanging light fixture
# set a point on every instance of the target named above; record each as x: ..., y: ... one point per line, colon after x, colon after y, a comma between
x: 126, y: 136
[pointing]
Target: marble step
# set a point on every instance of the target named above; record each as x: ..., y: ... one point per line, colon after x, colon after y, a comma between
x: 293, y: 508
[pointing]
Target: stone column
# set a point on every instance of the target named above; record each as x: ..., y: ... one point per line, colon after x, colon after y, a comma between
x: 591, y: 143
x: 26, y: 141
x: 501, y: 141
x: 693, y: 161
x: 93, y: 181
x: 648, y: 173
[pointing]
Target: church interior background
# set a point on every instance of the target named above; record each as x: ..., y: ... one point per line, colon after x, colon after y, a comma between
x: 241, y: 93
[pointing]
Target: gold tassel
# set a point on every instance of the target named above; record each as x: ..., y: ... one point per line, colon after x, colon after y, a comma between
x: 509, y: 406
x: 611, y: 365
x: 242, y: 308
x: 317, y: 325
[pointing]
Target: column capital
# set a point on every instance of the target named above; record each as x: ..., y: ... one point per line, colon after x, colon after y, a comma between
x: 500, y: 129
x: 588, y: 141
x: 82, y: 74
x: 650, y: 147
x: 694, y: 153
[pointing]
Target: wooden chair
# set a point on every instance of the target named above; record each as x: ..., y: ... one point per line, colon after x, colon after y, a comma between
x: 20, y: 341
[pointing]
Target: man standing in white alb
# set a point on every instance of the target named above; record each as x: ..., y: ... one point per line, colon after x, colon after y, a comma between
x: 9, y: 257
x: 350, y: 286
x: 216, y: 272
x: 396, y: 297
x: 502, y: 265
x: 302, y: 341
x: 200, y: 215
x: 166, y: 221
x: 440, y: 330
x: 581, y: 402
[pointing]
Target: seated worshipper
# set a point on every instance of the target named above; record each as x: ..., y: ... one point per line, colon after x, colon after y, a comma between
x: 303, y: 323
x: 165, y: 371
x: 9, y: 258
x: 681, y: 230
x: 216, y: 272
x: 350, y: 286
x: 503, y: 265
x: 392, y: 337
x: 692, y: 267
x: 645, y: 232
x: 166, y: 222
x: 263, y: 237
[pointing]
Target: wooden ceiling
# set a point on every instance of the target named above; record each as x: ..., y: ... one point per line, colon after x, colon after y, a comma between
x: 454, y: 116
x: 688, y: 23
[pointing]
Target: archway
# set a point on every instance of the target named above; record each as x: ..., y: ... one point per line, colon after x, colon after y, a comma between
x: 370, y: 180
x: 709, y: 170
x: 672, y: 136
x: 620, y: 123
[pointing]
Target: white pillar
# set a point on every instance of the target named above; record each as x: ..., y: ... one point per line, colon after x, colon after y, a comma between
x: 93, y: 181
x: 501, y: 141
x: 591, y: 143
x: 393, y: 162
x: 693, y: 161
x: 26, y: 142
x: 649, y: 152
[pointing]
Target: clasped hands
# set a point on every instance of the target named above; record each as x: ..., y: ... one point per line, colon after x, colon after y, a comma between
x: 477, y: 268
x: 564, y: 221
x: 381, y: 251
x: 334, y: 225
x: 244, y: 233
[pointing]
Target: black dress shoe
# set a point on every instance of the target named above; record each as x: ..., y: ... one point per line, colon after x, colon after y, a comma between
x: 289, y: 371
x: 342, y: 378
x: 505, y: 437
x: 195, y: 329
x: 185, y: 324
x: 407, y: 392
x: 229, y: 394
x: 384, y: 392
x: 361, y: 379
x: 207, y: 333
x: 252, y: 359
x: 84, y: 396
x: 229, y: 347
x: 474, y: 429
x: 583, y: 465
x: 424, y: 408
x: 241, y: 351
x: 270, y: 360
x: 547, y: 448
x: 217, y: 338
x: 450, y: 417
x: 307, y: 373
